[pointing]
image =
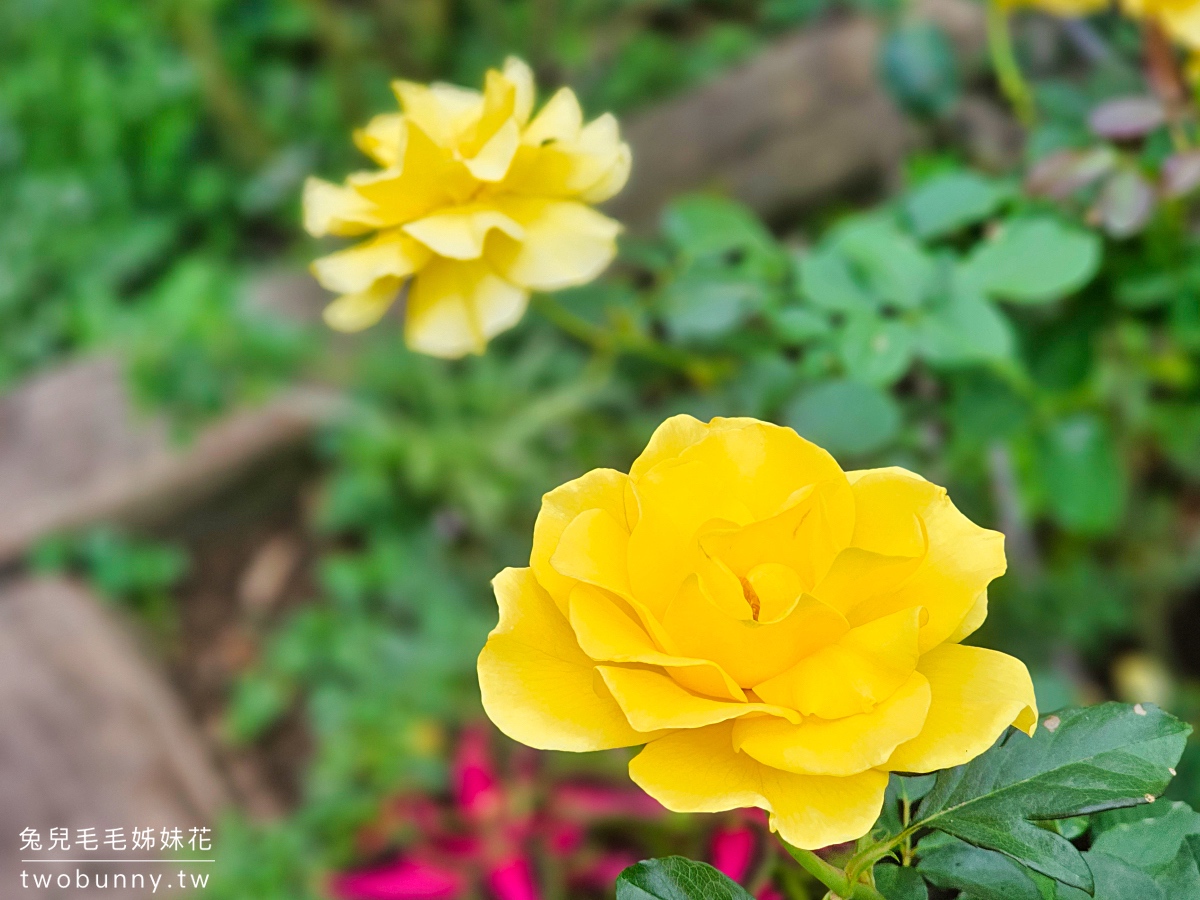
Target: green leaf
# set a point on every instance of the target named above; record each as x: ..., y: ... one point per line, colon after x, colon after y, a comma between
x: 896, y: 268
x: 676, y: 878
x: 948, y: 202
x: 1115, y: 880
x: 1153, y: 842
x: 1034, y: 260
x: 1086, y: 484
x: 876, y: 350
x: 827, y: 282
x: 984, y: 874
x: 1181, y: 877
x: 919, y: 69
x: 900, y: 883
x: 798, y: 325
x: 845, y: 416
x: 696, y: 306
x: 700, y: 225
x: 968, y: 328
x: 1079, y: 761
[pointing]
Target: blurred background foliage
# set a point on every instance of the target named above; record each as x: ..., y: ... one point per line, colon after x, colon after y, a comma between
x: 1029, y: 338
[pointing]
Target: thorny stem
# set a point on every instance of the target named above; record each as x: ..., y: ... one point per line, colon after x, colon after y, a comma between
x: 1004, y: 62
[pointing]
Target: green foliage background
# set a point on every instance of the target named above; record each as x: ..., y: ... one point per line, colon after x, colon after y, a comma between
x: 150, y: 162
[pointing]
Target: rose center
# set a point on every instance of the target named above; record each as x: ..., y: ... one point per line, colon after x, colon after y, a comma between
x: 751, y: 597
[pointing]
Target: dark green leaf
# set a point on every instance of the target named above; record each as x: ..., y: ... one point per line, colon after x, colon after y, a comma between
x: 919, y: 69
x: 900, y: 883
x: 676, y: 878
x: 1079, y: 761
x: 952, y: 201
x: 984, y: 874
x: 1115, y: 880
x: 845, y: 416
x: 1152, y: 842
x: 1034, y: 260
x: 1181, y: 876
x: 1086, y: 483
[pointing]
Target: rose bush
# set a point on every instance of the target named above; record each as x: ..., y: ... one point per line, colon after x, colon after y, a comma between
x: 478, y: 202
x: 778, y: 632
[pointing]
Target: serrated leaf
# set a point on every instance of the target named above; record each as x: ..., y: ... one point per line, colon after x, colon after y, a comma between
x: 1152, y: 842
x: 1033, y: 260
x: 951, y: 201
x: 984, y: 874
x: 676, y: 878
x: 1115, y: 880
x: 900, y: 883
x: 1079, y: 761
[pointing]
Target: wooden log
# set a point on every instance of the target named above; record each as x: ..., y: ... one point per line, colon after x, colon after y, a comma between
x: 801, y: 121
x: 74, y: 450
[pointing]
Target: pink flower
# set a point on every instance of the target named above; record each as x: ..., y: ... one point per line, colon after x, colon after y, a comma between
x: 404, y: 879
x: 476, y: 788
x: 513, y: 880
x: 732, y: 851
x: 587, y: 802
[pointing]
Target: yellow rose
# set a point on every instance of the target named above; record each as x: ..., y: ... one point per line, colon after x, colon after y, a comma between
x: 779, y: 633
x: 478, y: 203
x: 1180, y: 19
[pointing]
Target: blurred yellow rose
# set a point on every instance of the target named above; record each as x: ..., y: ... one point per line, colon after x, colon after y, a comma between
x: 1180, y: 19
x: 778, y: 633
x: 478, y: 203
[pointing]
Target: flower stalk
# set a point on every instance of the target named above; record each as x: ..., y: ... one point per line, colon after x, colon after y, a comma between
x: 1004, y: 62
x: 842, y: 884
